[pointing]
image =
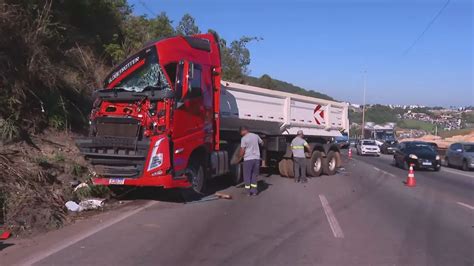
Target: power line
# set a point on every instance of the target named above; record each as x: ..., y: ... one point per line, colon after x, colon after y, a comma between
x: 147, y: 8
x: 426, y: 28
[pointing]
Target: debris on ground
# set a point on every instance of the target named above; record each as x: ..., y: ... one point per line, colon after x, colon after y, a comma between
x: 72, y: 206
x: 81, y: 185
x: 4, y: 235
x: 223, y: 196
x: 38, y: 178
x: 85, y: 205
x: 91, y: 204
x: 215, y: 196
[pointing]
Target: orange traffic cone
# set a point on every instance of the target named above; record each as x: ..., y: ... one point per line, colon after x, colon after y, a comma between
x: 411, y: 182
x: 350, y: 153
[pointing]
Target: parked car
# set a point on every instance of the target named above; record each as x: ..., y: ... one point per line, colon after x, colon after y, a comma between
x: 461, y: 154
x: 368, y: 147
x: 389, y: 147
x: 342, y: 142
x: 422, y: 155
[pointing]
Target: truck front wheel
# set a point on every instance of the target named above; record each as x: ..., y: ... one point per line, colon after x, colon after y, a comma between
x: 197, y: 177
x: 330, y: 163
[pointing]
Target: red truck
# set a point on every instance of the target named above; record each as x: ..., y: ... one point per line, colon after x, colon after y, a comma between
x: 157, y: 122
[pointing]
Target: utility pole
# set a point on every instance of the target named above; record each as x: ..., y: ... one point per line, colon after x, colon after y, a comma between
x: 363, y: 107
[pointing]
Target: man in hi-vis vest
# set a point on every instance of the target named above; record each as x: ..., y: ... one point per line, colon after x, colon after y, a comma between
x: 299, y: 159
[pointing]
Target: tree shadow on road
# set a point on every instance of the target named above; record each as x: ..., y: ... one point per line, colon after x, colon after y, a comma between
x: 5, y: 245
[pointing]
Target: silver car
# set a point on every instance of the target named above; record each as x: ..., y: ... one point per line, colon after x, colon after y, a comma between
x: 461, y: 154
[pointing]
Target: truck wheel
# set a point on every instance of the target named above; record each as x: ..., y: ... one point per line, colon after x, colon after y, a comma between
x: 236, y: 172
x: 330, y: 163
x: 285, y: 167
x: 197, y: 178
x: 315, y: 166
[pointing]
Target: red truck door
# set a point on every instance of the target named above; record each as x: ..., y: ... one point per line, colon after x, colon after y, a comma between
x: 189, y: 115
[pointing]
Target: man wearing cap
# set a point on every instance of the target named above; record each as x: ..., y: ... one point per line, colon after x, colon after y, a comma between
x: 250, y: 151
x: 299, y: 159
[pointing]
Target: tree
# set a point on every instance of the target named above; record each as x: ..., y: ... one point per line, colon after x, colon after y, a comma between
x: 265, y: 81
x: 136, y: 31
x: 236, y: 58
x: 187, y: 26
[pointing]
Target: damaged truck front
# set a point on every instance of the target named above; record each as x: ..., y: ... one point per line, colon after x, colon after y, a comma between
x: 133, y: 137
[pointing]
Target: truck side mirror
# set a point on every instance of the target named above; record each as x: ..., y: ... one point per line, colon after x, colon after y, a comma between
x: 184, y: 74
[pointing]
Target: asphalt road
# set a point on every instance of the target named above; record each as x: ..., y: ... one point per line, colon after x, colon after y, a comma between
x: 363, y: 215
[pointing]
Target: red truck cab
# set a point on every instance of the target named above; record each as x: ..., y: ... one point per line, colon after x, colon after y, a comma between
x: 156, y: 122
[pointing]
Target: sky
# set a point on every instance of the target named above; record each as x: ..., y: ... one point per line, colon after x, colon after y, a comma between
x: 327, y: 45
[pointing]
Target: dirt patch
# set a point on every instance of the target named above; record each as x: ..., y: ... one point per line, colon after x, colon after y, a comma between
x: 444, y: 143
x: 37, y: 178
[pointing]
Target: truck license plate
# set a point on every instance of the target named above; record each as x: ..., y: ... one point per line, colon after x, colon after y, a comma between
x: 116, y: 181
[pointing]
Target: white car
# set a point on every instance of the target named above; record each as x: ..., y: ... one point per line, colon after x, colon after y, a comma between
x: 368, y: 147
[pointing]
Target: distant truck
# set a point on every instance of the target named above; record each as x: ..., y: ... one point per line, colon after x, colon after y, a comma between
x: 384, y: 136
x: 165, y: 118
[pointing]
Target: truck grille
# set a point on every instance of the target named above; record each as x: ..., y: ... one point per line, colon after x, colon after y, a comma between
x: 116, y: 149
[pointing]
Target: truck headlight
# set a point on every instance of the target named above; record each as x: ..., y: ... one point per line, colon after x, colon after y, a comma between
x: 413, y: 156
x: 438, y: 158
x: 156, y: 159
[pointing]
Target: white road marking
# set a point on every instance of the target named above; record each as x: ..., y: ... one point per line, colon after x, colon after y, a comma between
x: 73, y: 240
x: 444, y: 169
x: 336, y: 229
x: 465, y: 205
x: 385, y: 172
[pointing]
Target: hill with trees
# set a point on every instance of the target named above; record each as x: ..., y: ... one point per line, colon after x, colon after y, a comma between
x: 53, y: 54
x: 265, y: 81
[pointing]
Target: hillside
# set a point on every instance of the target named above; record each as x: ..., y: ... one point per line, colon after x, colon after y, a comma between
x: 265, y: 81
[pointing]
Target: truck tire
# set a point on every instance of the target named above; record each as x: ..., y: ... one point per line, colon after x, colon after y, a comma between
x: 236, y: 174
x: 285, y: 168
x: 330, y: 163
x: 198, y: 177
x: 315, y: 164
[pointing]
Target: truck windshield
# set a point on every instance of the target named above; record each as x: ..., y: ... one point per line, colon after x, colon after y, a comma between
x: 146, y: 73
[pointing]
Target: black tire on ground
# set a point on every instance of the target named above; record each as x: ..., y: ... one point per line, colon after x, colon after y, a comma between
x: 405, y: 165
x: 286, y: 168
x: 465, y: 166
x: 330, y: 163
x: 236, y: 173
x: 437, y: 168
x: 198, y: 177
x: 315, y: 164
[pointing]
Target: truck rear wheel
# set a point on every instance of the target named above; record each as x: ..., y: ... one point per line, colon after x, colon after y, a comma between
x: 285, y: 168
x: 315, y: 166
x: 236, y: 173
x: 330, y: 163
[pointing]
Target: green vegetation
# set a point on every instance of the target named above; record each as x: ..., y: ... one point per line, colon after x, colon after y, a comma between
x: 265, y: 81
x: 416, y: 124
x: 377, y: 113
x: 468, y: 117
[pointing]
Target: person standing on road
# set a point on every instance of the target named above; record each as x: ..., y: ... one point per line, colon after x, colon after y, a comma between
x: 299, y: 159
x: 250, y: 151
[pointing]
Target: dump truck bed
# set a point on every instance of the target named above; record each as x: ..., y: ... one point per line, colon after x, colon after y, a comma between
x: 279, y: 113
